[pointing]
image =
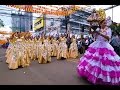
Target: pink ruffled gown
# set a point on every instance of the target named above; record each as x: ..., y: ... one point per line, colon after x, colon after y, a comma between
x: 100, y: 64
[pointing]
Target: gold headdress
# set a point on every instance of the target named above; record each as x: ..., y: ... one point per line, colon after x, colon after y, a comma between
x: 97, y: 15
x: 101, y: 14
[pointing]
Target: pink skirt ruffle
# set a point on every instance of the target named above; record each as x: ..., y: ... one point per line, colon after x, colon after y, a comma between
x: 100, y: 66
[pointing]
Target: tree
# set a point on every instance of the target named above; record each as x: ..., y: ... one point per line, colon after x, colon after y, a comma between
x: 118, y: 29
x: 115, y: 28
x: 1, y: 23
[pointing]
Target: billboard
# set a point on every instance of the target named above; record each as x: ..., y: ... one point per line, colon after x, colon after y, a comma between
x: 38, y: 23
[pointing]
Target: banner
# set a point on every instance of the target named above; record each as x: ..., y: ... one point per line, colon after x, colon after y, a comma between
x: 45, y: 10
x: 38, y: 23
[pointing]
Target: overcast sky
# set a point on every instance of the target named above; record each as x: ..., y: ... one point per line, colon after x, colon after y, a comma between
x: 116, y: 14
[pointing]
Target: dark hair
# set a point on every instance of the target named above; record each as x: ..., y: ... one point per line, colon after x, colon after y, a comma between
x: 101, y: 22
x: 118, y: 33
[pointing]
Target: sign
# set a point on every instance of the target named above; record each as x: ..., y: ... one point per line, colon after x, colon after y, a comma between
x: 38, y: 23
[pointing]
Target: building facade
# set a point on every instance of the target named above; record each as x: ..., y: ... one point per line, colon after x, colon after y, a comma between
x: 22, y: 21
x: 56, y: 24
x: 28, y: 21
x: 51, y: 25
x: 77, y: 20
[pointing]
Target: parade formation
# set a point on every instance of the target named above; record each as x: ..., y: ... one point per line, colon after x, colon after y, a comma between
x: 23, y: 49
x: 99, y: 63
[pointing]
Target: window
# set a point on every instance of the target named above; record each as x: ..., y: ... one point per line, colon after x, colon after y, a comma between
x: 52, y: 24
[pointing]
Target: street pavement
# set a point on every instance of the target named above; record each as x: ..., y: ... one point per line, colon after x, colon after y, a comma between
x: 58, y: 72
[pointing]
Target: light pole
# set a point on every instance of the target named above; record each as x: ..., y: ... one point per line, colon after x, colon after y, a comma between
x: 66, y: 18
x: 112, y: 12
x: 44, y: 19
x: 67, y: 22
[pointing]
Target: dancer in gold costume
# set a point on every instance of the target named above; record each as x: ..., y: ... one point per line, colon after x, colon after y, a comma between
x: 44, y: 53
x: 23, y: 49
x: 55, y: 44
x: 62, y: 49
x: 73, y: 50
x: 17, y: 54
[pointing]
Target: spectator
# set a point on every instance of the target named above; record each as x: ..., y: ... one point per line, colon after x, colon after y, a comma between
x: 115, y: 43
x: 79, y: 44
x: 86, y: 43
x: 83, y: 44
x: 119, y: 44
x: 90, y: 40
x: 68, y: 41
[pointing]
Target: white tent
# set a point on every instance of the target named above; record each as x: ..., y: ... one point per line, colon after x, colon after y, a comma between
x: 6, y: 32
x: 5, y: 29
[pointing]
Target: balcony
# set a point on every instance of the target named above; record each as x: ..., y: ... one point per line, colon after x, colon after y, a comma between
x: 79, y: 16
x: 78, y: 19
x: 63, y: 26
x: 76, y: 14
x: 79, y: 22
x: 84, y: 11
x: 71, y: 19
x: 75, y: 28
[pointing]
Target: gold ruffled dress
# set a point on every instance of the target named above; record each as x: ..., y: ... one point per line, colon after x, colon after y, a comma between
x: 73, y: 50
x: 19, y: 55
x: 62, y: 49
x: 46, y: 53
x: 54, y: 47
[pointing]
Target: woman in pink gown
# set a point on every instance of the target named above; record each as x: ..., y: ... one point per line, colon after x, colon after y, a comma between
x: 100, y: 64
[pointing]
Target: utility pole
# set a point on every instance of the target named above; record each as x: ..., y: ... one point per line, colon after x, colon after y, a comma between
x: 112, y: 13
x: 66, y: 22
x: 44, y: 19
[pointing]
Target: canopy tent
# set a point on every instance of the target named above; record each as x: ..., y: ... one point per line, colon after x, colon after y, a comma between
x: 5, y: 33
x: 5, y: 30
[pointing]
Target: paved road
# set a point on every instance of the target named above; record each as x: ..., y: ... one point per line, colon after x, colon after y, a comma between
x: 60, y: 72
